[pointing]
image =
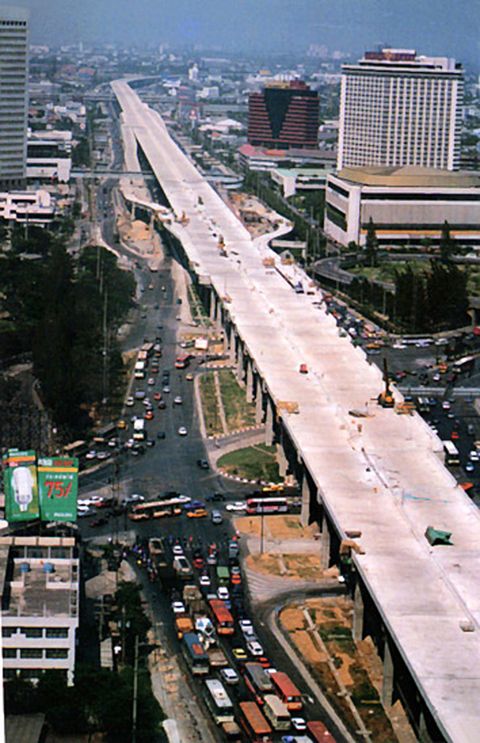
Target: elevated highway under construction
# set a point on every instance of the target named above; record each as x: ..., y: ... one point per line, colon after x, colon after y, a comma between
x: 377, y: 479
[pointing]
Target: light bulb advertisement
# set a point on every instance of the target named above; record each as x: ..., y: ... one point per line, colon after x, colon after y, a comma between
x: 58, y: 488
x: 21, y: 487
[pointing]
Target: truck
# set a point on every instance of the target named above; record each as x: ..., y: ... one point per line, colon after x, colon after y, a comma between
x: 223, y: 575
x: 139, y: 371
x: 216, y: 657
x: 182, y: 568
x: 193, y: 600
x: 182, y: 626
x: 139, y: 429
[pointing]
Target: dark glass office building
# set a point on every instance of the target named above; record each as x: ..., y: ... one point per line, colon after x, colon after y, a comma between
x: 283, y: 115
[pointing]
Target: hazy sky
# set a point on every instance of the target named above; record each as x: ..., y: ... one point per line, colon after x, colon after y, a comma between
x: 433, y: 26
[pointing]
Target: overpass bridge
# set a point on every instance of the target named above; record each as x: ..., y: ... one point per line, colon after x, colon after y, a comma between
x: 379, y: 479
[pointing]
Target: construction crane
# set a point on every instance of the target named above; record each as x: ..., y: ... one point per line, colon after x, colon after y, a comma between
x: 385, y: 398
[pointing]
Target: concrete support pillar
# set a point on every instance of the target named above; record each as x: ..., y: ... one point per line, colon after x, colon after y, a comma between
x: 269, y: 425
x: 387, y: 684
x: 358, y: 614
x: 325, y: 545
x: 249, y: 382
x: 259, y: 404
x: 282, y: 461
x: 226, y: 339
x: 305, y: 513
x: 231, y: 344
x: 213, y: 306
x: 240, y: 366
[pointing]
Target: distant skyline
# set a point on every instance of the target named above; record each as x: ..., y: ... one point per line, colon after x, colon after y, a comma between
x: 446, y: 27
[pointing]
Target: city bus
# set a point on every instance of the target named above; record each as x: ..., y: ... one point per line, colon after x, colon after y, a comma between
x: 254, y: 723
x: 181, y: 362
x: 221, y: 617
x: 76, y: 449
x: 194, y: 654
x: 319, y: 733
x: 452, y: 455
x: 218, y: 702
x: 467, y: 364
x: 156, y: 509
x: 287, y: 691
x: 276, y: 712
x: 257, y: 681
x: 266, y: 505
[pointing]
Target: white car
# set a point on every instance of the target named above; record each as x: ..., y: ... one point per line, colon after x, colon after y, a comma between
x: 205, y: 581
x: 178, y: 607
x: 446, y: 405
x: 151, y: 381
x: 246, y: 627
x: 238, y: 505
x: 135, y: 498
x: 182, y: 431
x: 178, y: 400
x: 474, y: 456
x: 230, y: 676
x: 130, y: 401
x: 92, y: 501
x: 101, y: 455
x: 223, y: 593
x: 177, y: 550
x: 183, y: 498
x: 254, y: 647
x: 82, y: 507
x: 91, y: 454
x: 399, y: 346
x: 299, y: 724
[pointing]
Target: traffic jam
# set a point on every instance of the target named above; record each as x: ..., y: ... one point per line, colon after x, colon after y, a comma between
x: 246, y: 697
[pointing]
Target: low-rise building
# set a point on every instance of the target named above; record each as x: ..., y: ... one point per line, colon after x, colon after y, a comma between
x: 406, y: 204
x: 265, y: 160
x: 27, y: 207
x: 39, y: 580
x: 49, y: 156
x: 298, y: 180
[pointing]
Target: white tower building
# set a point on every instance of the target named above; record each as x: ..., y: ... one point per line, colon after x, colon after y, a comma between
x: 398, y: 108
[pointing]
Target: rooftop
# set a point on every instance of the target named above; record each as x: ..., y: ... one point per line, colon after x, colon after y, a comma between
x: 410, y: 176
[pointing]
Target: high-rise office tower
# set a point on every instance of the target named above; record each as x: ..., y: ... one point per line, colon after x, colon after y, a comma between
x: 398, y: 108
x: 283, y: 115
x: 13, y: 96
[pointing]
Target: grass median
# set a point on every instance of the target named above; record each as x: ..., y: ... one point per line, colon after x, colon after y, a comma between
x: 238, y: 412
x: 253, y: 463
x: 211, y: 416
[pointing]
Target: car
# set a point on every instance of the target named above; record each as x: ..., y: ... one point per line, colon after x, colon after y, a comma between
x: 162, y: 405
x: 182, y: 431
x: 236, y: 506
x: 212, y: 558
x: 84, y: 513
x: 436, y: 377
x: 246, y: 627
x: 303, y: 369
x: 229, y: 676
x: 183, y: 498
x: 148, y: 415
x: 299, y: 724
x: 139, y: 395
x: 205, y: 581
x: 471, y: 429
x: 157, y: 396
x: 177, y: 550
x: 98, y: 522
x: 239, y: 654
x: 469, y: 467
x: 216, y: 517
x: 177, y: 400
x: 112, y: 443
x: 101, y: 455
x: 455, y: 436
x: 151, y: 381
x: 178, y: 607
x: 223, y: 593
x: 166, y: 389
x: 474, y: 456
x: 197, y: 513
x: 203, y: 464
x: 160, y: 435
x: 134, y: 498
x: 446, y: 405
x: 198, y: 561
x: 236, y: 580
x: 189, y: 377
x: 91, y: 454
x: 254, y: 647
x: 130, y: 401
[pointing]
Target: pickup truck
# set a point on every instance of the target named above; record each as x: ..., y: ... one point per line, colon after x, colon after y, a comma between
x: 183, y: 625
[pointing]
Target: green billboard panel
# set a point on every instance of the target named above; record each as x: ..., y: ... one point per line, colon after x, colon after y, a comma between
x: 58, y: 488
x: 20, y: 484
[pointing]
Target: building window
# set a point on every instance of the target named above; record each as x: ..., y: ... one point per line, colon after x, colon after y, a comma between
x: 9, y: 652
x: 9, y: 631
x: 57, y: 632
x: 31, y: 653
x: 32, y: 631
x: 56, y: 653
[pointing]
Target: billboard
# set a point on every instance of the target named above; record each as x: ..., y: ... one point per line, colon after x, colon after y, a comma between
x: 20, y: 484
x: 58, y: 488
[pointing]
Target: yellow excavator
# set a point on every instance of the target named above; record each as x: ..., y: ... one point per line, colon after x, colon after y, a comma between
x: 385, y: 398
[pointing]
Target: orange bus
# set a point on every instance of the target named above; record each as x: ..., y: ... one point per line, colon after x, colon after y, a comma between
x: 287, y: 691
x: 222, y: 618
x: 254, y: 723
x: 319, y: 732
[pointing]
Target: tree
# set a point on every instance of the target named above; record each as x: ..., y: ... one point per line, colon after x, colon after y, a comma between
x: 446, y: 244
x: 371, y: 245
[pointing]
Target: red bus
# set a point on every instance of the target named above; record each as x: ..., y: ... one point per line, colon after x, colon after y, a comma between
x: 254, y: 723
x: 222, y: 618
x: 287, y: 691
x: 319, y: 732
x: 181, y: 362
x: 266, y: 505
